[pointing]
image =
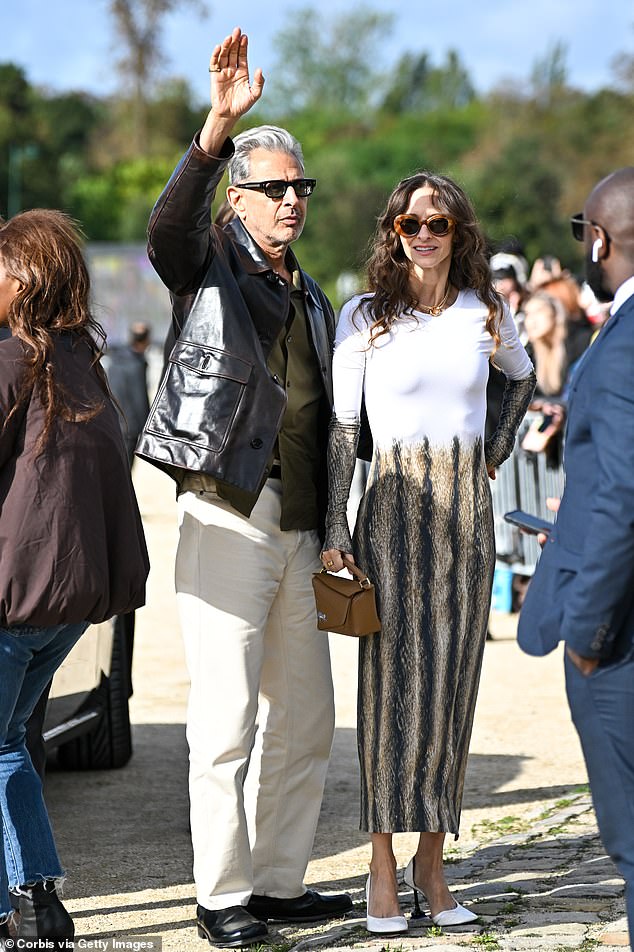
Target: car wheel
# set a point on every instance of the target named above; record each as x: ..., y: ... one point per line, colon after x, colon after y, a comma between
x: 109, y: 743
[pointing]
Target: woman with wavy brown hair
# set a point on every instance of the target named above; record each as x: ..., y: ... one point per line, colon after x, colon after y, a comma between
x: 72, y: 550
x: 417, y: 349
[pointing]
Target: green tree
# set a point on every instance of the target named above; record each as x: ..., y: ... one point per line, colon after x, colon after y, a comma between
x: 115, y: 204
x: 139, y: 25
x: 518, y: 195
x: 549, y: 76
x: 328, y: 64
x: 16, y: 135
x: 171, y: 117
x: 15, y: 97
x: 528, y: 155
x: 44, y: 141
x: 417, y: 86
x: 63, y: 127
x: 623, y: 65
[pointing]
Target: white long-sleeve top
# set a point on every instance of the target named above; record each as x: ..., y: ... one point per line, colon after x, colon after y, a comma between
x: 425, y: 378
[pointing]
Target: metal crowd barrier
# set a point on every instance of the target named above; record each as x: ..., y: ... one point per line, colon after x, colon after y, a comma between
x: 524, y: 481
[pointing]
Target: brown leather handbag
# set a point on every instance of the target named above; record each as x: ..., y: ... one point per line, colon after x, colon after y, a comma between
x: 346, y: 606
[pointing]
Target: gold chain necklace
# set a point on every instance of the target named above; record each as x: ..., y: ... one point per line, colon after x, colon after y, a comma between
x: 436, y: 309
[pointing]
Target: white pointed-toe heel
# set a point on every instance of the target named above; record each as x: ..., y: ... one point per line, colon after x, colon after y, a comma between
x: 458, y: 916
x: 388, y: 925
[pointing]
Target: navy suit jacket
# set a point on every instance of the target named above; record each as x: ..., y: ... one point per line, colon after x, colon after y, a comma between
x: 582, y: 591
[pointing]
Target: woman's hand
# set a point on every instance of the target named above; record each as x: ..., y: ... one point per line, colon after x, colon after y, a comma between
x: 541, y: 431
x: 543, y: 271
x: 332, y: 559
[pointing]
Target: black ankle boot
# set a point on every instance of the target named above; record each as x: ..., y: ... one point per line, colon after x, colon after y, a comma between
x: 4, y: 934
x: 42, y: 915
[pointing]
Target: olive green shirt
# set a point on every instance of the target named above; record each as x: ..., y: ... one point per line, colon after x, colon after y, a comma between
x: 293, y: 364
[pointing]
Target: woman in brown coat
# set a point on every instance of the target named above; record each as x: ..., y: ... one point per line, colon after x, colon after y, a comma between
x: 72, y: 549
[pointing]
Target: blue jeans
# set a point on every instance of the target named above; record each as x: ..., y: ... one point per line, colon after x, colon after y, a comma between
x: 602, y: 707
x: 29, y: 657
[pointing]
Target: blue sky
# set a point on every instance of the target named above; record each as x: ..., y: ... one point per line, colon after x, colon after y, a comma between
x: 69, y: 44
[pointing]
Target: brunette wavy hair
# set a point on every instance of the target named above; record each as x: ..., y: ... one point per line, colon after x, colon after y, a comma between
x: 41, y: 249
x: 388, y: 267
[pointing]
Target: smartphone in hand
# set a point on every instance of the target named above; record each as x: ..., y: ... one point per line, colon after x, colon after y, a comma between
x: 528, y: 522
x: 546, y: 421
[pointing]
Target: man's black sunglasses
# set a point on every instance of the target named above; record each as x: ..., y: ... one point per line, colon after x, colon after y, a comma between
x: 578, y: 223
x: 277, y: 188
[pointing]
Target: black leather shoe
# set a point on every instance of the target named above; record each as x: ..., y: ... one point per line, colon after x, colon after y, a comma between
x: 230, y: 928
x: 311, y: 907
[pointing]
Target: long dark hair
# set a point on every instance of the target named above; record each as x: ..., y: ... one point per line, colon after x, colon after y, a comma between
x: 41, y: 249
x: 389, y: 268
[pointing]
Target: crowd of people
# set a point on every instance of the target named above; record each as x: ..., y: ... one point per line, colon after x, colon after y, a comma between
x: 264, y: 405
x: 557, y: 316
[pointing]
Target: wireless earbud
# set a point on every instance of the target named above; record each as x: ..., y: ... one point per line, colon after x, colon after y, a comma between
x: 596, y: 248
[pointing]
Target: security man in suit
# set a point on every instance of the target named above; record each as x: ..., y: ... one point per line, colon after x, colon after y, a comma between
x: 582, y: 592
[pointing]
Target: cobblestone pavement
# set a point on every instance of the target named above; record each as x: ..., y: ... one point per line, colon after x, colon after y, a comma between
x: 548, y: 887
x: 528, y: 859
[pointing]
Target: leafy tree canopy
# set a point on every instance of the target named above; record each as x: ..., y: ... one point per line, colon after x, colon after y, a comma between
x: 528, y: 152
x: 328, y: 65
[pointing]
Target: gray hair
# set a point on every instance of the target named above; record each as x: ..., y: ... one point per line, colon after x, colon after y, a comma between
x: 271, y: 138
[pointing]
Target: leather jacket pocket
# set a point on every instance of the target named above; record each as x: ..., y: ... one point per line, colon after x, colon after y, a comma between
x: 199, y: 395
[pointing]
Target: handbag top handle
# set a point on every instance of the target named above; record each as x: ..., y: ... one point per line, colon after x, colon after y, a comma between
x: 360, y: 576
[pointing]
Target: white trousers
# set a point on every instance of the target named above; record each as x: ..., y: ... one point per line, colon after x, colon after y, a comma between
x: 261, y: 711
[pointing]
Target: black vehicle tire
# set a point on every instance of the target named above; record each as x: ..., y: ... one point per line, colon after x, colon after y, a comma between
x: 109, y: 744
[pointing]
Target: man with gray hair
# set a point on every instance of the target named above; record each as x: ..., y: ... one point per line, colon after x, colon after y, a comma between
x: 240, y: 422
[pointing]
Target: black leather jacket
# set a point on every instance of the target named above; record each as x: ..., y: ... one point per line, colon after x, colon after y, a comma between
x: 218, y: 410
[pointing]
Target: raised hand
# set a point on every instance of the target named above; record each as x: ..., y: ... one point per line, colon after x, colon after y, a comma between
x: 232, y: 95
